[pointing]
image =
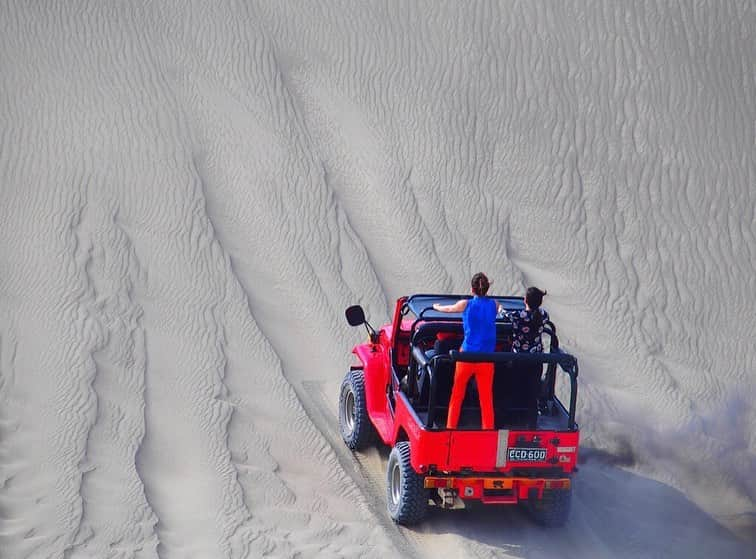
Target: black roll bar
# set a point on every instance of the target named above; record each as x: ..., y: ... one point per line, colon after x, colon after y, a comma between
x: 422, y: 318
x: 455, y: 296
x: 555, y: 357
x: 565, y: 361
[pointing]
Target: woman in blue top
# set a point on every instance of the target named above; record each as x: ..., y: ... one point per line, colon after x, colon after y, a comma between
x: 479, y: 322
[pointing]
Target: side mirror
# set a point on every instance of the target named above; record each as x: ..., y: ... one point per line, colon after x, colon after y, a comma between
x: 355, y: 315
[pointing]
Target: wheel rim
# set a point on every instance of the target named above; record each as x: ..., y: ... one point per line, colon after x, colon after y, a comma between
x: 396, y: 483
x: 349, y: 411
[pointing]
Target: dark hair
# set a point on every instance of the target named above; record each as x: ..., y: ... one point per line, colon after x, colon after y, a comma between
x: 480, y: 284
x: 534, y: 298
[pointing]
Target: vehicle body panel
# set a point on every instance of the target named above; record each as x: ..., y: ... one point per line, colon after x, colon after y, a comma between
x: 374, y: 361
x: 480, y: 450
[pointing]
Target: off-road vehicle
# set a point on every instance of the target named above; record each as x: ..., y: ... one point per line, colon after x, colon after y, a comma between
x: 397, y: 393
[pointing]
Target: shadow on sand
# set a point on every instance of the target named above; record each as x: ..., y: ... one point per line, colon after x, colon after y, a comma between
x: 615, y: 513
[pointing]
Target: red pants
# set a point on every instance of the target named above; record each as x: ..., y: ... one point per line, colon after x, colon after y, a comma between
x: 483, y: 373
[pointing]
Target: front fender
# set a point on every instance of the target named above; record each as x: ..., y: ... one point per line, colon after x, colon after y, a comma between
x: 376, y: 366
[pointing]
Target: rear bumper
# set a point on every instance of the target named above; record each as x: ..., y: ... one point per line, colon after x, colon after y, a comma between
x: 496, y: 490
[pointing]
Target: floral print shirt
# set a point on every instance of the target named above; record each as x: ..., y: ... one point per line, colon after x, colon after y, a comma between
x: 525, y: 338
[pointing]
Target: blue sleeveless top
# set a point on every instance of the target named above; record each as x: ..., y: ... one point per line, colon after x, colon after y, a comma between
x: 479, y: 321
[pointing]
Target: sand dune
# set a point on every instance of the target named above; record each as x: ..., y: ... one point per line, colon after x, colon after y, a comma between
x: 191, y: 194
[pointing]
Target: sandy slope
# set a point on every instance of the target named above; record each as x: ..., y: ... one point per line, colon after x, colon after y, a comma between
x: 190, y: 195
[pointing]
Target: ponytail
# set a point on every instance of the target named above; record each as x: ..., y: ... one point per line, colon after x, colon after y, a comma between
x: 480, y: 284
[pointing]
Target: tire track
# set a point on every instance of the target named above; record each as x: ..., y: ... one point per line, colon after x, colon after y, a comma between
x: 318, y: 411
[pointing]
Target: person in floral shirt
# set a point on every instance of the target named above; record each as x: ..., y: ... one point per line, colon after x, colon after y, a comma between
x: 527, y: 327
x: 527, y: 324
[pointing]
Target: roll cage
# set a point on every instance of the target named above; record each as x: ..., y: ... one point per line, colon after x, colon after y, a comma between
x: 422, y: 371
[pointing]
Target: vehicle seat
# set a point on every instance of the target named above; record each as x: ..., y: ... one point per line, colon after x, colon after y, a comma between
x: 516, y: 391
x: 443, y: 346
x: 444, y: 374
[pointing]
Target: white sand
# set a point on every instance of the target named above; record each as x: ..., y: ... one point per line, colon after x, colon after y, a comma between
x: 190, y: 195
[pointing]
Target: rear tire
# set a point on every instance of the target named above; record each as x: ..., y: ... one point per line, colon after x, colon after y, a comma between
x: 553, y: 509
x: 356, y: 430
x: 407, y: 498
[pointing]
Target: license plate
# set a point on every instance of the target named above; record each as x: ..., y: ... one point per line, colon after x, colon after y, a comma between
x: 526, y: 454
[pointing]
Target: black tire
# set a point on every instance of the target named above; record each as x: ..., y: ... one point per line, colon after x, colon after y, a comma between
x: 553, y: 509
x: 406, y: 497
x: 354, y: 423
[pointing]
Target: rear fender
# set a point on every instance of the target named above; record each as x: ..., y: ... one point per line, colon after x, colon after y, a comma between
x: 428, y: 449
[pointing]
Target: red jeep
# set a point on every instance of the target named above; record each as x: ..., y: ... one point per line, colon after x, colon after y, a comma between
x: 399, y: 393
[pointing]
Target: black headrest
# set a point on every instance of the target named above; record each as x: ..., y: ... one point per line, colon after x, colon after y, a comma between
x: 429, y: 330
